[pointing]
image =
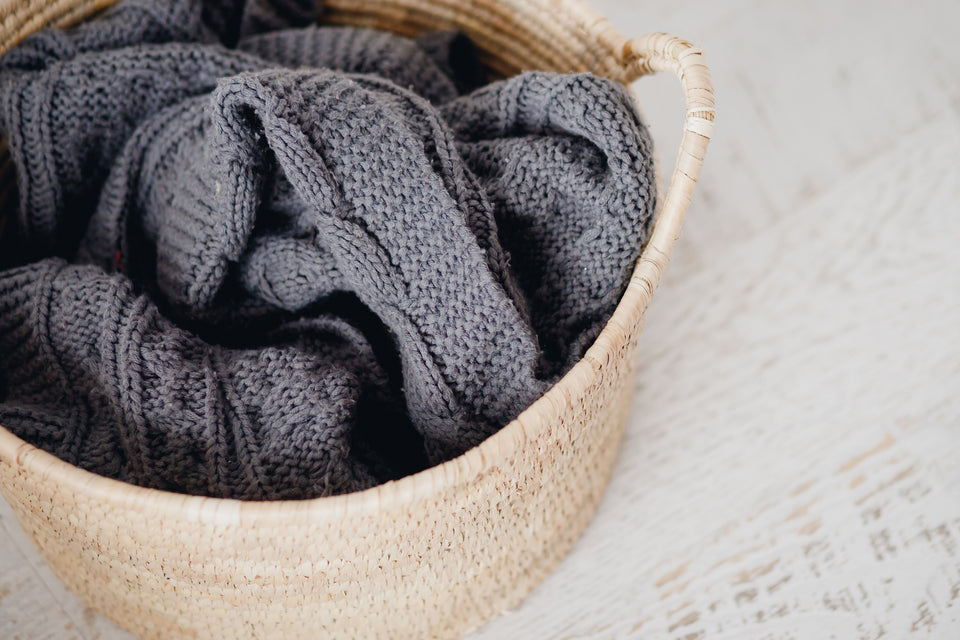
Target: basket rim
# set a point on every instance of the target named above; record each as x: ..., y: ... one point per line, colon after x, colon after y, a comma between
x: 658, y: 52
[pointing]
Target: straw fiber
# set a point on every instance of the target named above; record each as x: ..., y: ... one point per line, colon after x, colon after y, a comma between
x: 434, y: 554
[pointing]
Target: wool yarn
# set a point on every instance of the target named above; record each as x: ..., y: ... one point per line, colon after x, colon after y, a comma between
x: 269, y: 260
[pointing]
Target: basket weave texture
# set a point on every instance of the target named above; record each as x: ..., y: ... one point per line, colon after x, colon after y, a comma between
x: 434, y: 554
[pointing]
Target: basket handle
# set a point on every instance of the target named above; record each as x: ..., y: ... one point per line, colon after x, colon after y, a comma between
x: 664, y: 52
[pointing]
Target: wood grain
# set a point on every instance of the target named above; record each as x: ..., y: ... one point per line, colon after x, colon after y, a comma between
x: 790, y: 470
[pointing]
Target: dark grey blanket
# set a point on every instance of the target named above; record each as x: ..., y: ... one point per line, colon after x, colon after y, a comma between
x: 262, y: 259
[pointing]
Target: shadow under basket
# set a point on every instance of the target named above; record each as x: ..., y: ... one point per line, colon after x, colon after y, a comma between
x: 432, y: 555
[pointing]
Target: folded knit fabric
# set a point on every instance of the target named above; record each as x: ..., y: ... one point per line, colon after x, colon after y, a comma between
x: 138, y: 22
x: 71, y: 100
x: 309, y: 263
x: 105, y: 381
x: 568, y: 167
x: 438, y: 66
x: 390, y: 216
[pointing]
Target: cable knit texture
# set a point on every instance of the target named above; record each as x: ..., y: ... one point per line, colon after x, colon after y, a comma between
x: 264, y: 259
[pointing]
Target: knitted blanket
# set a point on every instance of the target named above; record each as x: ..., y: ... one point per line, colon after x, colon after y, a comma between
x: 262, y: 259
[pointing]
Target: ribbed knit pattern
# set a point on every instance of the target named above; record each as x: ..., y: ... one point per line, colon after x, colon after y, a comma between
x: 305, y: 265
x: 568, y: 169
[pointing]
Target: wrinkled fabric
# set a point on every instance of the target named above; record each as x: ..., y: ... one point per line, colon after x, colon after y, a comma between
x: 265, y: 259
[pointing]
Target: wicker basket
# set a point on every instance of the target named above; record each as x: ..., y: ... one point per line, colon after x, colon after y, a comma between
x: 434, y: 554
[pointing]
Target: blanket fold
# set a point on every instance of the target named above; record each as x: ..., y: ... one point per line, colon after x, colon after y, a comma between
x: 268, y: 260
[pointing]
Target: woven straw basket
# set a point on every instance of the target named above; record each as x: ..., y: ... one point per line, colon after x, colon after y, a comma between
x: 434, y: 554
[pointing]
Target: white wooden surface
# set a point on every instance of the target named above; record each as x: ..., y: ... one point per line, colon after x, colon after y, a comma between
x: 791, y: 470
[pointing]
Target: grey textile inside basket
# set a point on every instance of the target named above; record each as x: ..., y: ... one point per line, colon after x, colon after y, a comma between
x: 261, y: 259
